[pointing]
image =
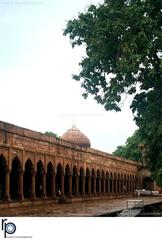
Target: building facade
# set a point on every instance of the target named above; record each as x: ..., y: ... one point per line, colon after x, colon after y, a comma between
x: 36, y: 166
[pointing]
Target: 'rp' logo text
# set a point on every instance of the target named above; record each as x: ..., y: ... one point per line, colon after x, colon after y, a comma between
x: 8, y: 227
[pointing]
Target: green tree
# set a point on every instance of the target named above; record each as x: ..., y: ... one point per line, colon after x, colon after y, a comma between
x: 123, y: 42
x: 131, y: 148
x: 158, y: 177
x: 49, y: 133
x: 123, y: 47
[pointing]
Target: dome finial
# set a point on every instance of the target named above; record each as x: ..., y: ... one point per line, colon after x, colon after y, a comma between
x: 73, y: 121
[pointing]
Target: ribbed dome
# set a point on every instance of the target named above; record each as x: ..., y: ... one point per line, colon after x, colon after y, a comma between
x: 75, y: 136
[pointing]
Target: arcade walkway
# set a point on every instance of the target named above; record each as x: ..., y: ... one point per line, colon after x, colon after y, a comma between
x: 76, y: 209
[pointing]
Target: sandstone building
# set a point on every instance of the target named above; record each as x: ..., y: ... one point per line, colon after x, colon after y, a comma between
x: 36, y: 166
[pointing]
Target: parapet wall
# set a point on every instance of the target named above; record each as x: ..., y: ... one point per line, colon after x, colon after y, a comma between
x: 27, y: 144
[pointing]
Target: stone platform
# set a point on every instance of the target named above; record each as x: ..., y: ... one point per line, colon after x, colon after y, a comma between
x: 89, y: 208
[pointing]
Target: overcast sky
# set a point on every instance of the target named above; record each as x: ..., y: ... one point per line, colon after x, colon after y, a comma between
x: 36, y: 67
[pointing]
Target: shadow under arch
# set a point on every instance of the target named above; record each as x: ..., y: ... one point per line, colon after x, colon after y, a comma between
x: 59, y: 174
x: 15, y: 179
x: 98, y: 182
x: 86, y: 181
x: 107, y: 182
x: 103, y: 182
x: 27, y: 179
x: 148, y: 183
x: 81, y: 183
x: 93, y: 185
x: 67, y: 180
x: 3, y: 170
x: 75, y: 181
x: 39, y: 179
x: 49, y: 179
x: 111, y: 183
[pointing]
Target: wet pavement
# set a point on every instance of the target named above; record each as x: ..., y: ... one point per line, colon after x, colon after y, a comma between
x: 76, y: 209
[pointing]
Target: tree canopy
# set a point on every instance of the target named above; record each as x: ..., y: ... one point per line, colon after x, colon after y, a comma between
x: 123, y: 50
x: 50, y: 133
x: 131, y: 148
x: 123, y: 42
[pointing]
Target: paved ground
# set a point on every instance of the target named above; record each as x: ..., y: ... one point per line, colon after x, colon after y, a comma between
x: 76, y: 209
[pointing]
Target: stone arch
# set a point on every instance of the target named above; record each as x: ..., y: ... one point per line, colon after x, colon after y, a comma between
x: 15, y: 179
x: 87, y: 181
x: 28, y: 156
x: 3, y: 170
x: 148, y: 183
x: 93, y: 182
x: 81, y: 182
x: 98, y: 182
x: 27, y: 179
x: 49, y: 179
x: 39, y: 179
x: 67, y: 187
x: 103, y: 182
x: 59, y: 181
x: 75, y: 181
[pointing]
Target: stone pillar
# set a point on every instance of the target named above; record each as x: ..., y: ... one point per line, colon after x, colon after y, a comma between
x: 44, y: 184
x: 32, y: 196
x: 124, y: 187
x: 62, y: 184
x: 104, y: 186
x: 108, y: 183
x: 114, y: 181
x: 70, y: 186
x: 130, y: 186
x: 89, y: 185
x: 116, y: 186
x: 7, y: 186
x: 20, y: 190
x: 77, y: 186
x: 127, y: 186
x: 99, y: 185
x: 83, y: 186
x: 53, y: 185
x: 94, y: 186
x: 112, y: 186
x: 134, y: 185
x: 119, y: 186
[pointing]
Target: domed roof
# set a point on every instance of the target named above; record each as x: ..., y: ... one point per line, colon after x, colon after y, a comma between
x: 75, y: 136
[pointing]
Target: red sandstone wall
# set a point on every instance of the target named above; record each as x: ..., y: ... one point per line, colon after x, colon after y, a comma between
x: 25, y: 144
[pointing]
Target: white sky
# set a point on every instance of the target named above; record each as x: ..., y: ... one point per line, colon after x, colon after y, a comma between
x: 36, y: 67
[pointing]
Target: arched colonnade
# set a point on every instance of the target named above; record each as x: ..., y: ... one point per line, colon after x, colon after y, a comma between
x: 47, y: 181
